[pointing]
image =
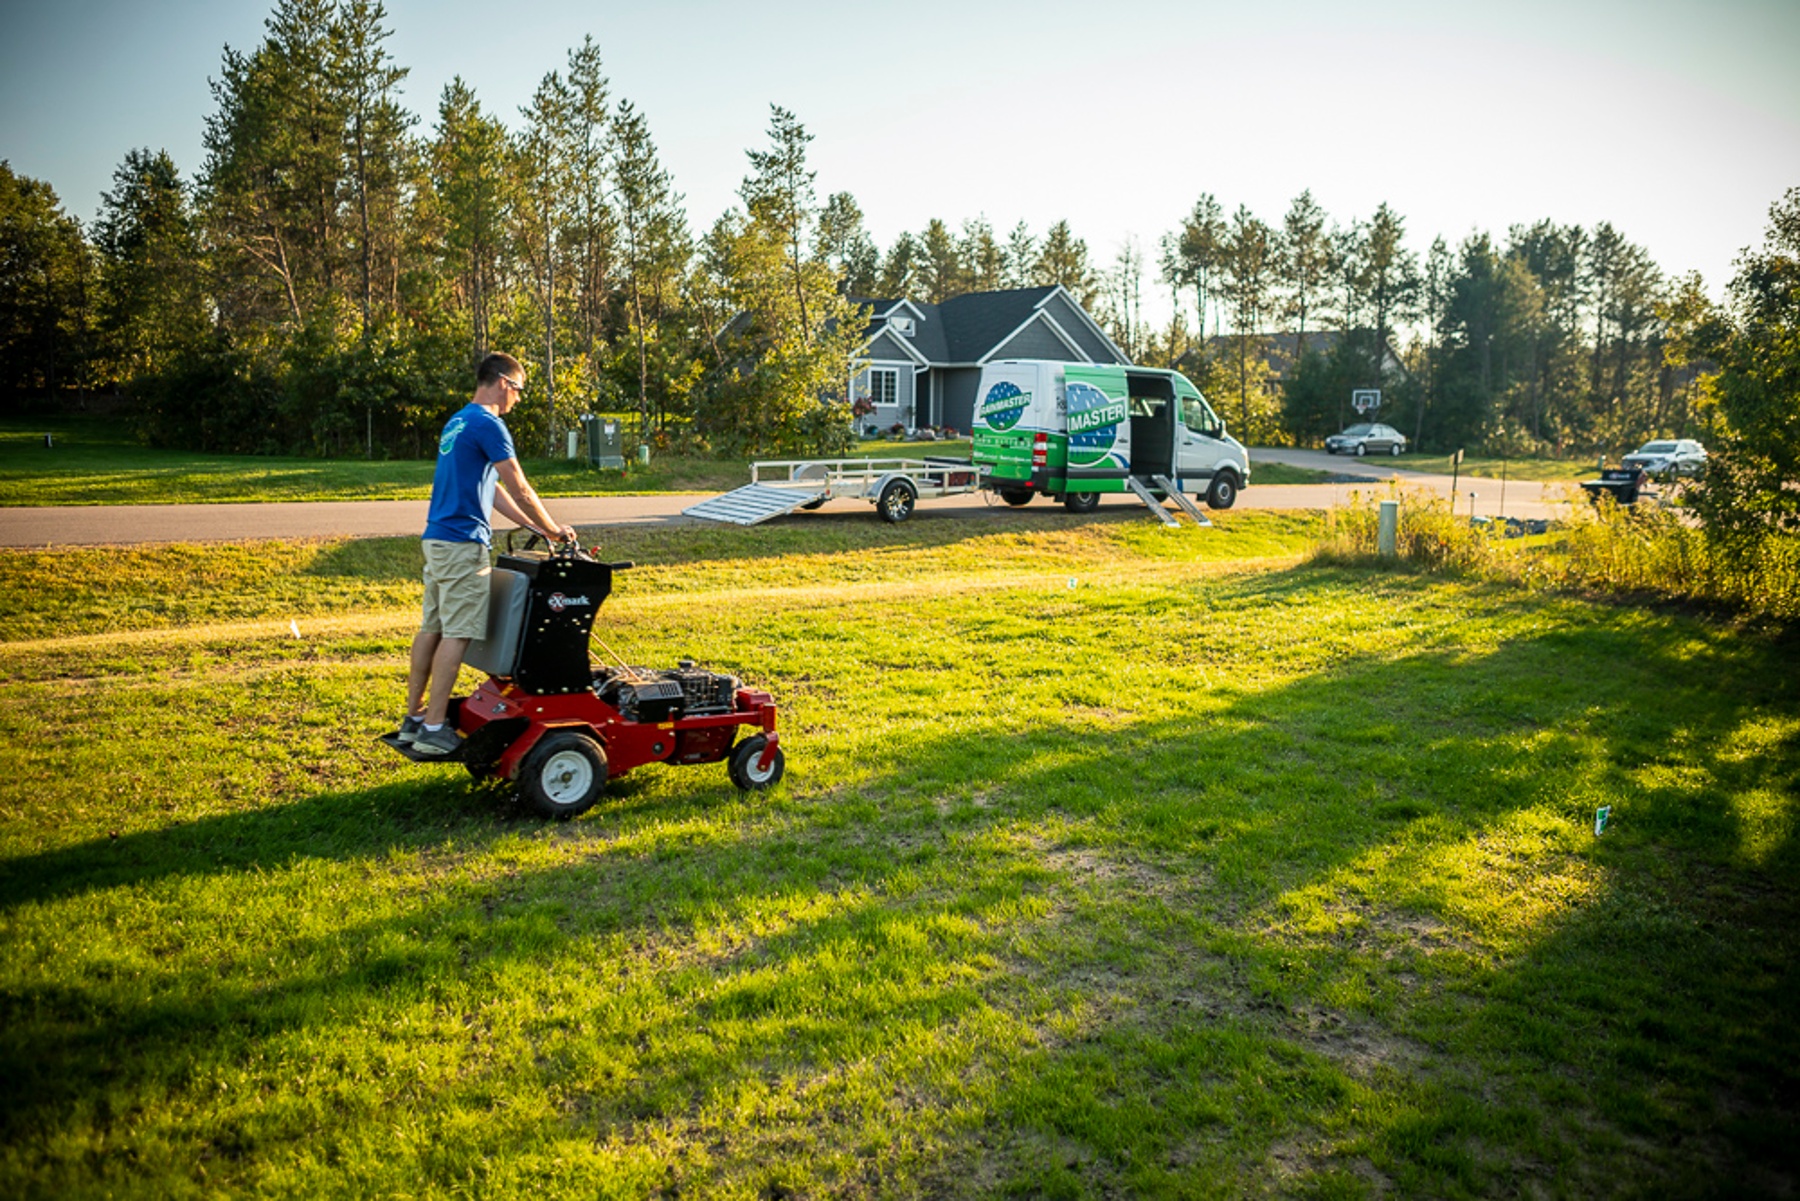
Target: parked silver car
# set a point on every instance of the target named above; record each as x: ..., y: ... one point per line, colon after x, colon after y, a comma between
x: 1366, y: 438
x: 1679, y: 456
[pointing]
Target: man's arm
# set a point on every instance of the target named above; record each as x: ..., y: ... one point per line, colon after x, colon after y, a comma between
x: 507, y: 508
x: 520, y: 502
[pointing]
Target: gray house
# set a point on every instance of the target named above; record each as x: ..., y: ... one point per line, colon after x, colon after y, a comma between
x: 924, y: 360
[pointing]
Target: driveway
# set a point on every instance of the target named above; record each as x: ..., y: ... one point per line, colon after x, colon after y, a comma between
x: 117, y: 525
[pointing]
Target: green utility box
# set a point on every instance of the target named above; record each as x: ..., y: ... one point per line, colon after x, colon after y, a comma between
x: 604, y: 441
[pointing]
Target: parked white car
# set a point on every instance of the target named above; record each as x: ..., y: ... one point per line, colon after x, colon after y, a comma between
x: 1679, y: 456
x: 1366, y: 438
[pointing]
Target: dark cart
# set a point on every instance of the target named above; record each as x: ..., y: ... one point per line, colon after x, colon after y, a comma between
x: 1623, y: 484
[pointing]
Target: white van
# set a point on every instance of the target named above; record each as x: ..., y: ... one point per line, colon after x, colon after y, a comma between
x: 1073, y: 431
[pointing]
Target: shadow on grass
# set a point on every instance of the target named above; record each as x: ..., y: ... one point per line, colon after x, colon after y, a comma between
x: 1123, y: 934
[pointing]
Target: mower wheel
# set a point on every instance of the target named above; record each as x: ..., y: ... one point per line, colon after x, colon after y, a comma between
x: 897, y: 500
x: 563, y: 775
x: 1081, y: 502
x: 1016, y: 496
x: 744, y: 772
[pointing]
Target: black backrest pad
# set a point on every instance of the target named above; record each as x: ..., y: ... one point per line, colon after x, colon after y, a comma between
x: 564, y: 595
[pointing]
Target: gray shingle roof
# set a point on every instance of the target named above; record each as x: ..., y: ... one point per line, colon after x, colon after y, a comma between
x: 964, y: 328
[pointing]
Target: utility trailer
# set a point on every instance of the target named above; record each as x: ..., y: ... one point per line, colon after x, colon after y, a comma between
x: 894, y: 486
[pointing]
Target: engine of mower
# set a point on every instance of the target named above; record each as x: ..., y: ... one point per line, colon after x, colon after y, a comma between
x: 551, y: 720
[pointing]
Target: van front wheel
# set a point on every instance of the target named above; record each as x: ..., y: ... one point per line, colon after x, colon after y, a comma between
x: 1222, y: 493
x: 1081, y: 502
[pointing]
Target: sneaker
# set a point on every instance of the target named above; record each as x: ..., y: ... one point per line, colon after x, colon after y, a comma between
x: 410, y: 729
x: 442, y: 741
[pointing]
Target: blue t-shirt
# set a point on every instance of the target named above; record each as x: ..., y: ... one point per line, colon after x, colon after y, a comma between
x: 462, y: 490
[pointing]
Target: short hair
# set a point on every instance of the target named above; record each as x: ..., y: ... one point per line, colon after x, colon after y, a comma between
x: 497, y: 365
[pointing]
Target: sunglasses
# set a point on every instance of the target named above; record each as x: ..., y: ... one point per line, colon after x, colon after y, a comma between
x: 516, y: 385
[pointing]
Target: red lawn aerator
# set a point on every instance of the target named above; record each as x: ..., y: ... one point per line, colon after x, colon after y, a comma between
x: 558, y: 725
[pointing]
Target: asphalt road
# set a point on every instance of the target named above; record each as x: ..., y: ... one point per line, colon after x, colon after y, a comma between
x: 118, y: 525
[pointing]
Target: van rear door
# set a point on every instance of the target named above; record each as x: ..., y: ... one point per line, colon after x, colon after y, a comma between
x: 1009, y: 412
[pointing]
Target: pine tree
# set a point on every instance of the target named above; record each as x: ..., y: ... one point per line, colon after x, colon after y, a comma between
x: 1303, y: 261
x: 1019, y: 257
x: 1248, y: 291
x: 846, y: 245
x: 377, y: 150
x: 983, y: 262
x: 655, y: 246
x: 473, y: 178
x: 1191, y: 257
x: 1063, y: 259
x: 941, y: 271
x: 151, y: 308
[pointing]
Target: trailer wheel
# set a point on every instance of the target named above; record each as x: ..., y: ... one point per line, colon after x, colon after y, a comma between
x: 744, y: 772
x: 1016, y: 496
x: 897, y: 499
x: 1081, y: 502
x: 1222, y: 493
x: 564, y: 775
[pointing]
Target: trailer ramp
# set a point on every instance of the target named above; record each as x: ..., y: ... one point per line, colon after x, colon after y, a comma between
x: 1184, y: 500
x: 1150, y: 502
x: 754, y: 503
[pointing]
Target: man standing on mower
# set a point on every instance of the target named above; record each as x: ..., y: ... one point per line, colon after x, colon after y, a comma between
x: 474, y: 452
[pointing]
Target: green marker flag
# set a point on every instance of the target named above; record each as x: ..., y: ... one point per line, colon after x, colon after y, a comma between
x: 1602, y: 816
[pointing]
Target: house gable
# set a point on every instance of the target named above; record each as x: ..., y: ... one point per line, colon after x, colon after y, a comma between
x: 1083, y: 330
x: 889, y: 346
x: 1037, y: 339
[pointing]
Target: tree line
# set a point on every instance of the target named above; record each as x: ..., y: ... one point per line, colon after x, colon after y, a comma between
x: 325, y: 280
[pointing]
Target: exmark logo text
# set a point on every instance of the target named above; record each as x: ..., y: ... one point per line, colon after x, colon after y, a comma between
x: 558, y: 602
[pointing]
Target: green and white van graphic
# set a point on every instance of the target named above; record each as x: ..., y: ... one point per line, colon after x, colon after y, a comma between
x: 1003, y: 405
x: 1094, y: 419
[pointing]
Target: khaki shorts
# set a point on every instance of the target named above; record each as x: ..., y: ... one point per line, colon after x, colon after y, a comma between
x: 456, y: 589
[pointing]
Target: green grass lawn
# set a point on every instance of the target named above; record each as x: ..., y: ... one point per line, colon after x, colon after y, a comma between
x: 96, y: 463
x: 1282, y: 473
x: 1110, y: 861
x: 1548, y: 471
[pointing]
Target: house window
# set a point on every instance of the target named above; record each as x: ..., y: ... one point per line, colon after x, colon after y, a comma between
x: 902, y: 326
x: 884, y: 385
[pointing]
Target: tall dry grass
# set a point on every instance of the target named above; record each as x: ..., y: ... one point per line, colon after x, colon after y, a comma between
x: 1645, y: 549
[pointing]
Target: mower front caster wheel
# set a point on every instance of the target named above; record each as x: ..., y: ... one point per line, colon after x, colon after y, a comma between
x: 744, y: 771
x: 563, y: 775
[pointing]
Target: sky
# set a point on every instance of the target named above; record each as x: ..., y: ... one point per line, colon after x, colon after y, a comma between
x: 1676, y: 120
